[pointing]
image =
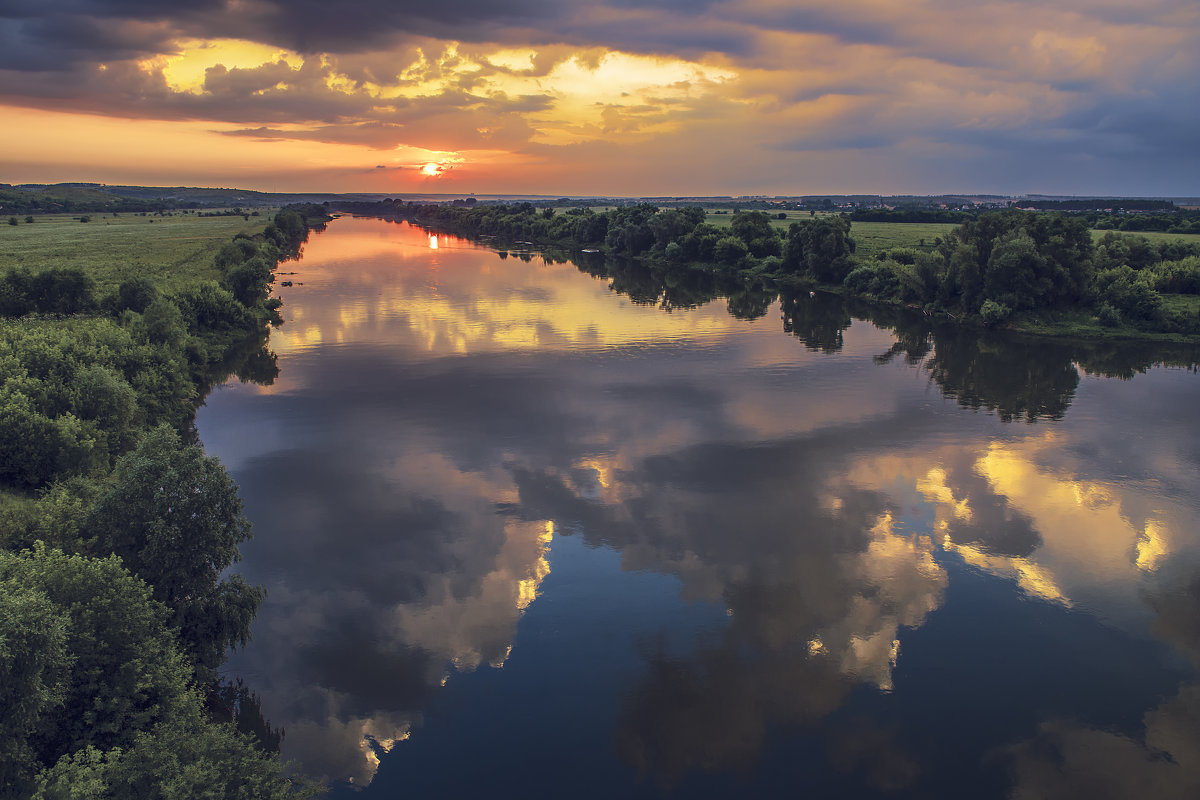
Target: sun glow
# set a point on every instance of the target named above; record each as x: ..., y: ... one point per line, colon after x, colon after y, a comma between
x: 432, y: 170
x: 187, y: 68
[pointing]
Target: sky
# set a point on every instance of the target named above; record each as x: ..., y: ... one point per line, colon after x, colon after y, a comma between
x: 606, y: 97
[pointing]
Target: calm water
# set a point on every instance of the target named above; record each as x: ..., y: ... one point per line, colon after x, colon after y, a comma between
x: 526, y: 537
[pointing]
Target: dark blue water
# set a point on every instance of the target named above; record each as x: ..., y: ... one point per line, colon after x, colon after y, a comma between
x: 523, y: 536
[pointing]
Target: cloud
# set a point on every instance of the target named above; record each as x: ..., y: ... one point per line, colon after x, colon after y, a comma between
x: 809, y: 96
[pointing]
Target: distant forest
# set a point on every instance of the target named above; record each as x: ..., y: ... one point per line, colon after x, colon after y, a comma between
x: 1111, y: 213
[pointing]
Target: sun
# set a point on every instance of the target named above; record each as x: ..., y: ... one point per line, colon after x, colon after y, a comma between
x: 432, y: 170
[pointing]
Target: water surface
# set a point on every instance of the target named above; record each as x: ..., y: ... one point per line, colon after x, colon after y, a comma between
x: 530, y: 531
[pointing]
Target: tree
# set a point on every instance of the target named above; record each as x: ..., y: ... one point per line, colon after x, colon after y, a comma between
x: 181, y: 758
x: 34, y: 662
x: 248, y: 280
x: 1016, y: 274
x: 173, y: 515
x: 820, y: 247
x: 135, y: 294
x: 95, y: 701
x: 754, y: 228
x: 108, y: 656
x: 730, y: 251
x: 669, y: 226
x: 1021, y: 260
x: 65, y: 290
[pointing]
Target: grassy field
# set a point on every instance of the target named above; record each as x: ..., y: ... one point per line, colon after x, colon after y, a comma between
x: 173, y: 250
x: 1187, y: 305
x: 723, y: 217
x: 875, y: 237
x: 1153, y: 236
x: 871, y: 238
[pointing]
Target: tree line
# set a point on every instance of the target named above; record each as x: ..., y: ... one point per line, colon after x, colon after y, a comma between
x: 1167, y: 219
x: 116, y: 531
x: 1001, y: 267
x: 1013, y: 265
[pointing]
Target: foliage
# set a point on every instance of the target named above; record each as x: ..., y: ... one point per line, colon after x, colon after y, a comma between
x: 34, y: 662
x: 66, y: 290
x: 181, y: 758
x: 821, y: 248
x: 993, y: 313
x: 1037, y: 264
x: 174, y: 517
x: 74, y: 394
x: 96, y: 693
x: 112, y: 668
x: 1019, y: 266
x: 1130, y: 294
x: 94, y: 683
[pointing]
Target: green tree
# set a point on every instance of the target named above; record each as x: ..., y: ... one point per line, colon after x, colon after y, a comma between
x: 1017, y: 275
x: 173, y: 515
x: 730, y: 251
x: 181, y: 758
x: 135, y: 294
x: 123, y: 672
x: 34, y: 665
x: 820, y: 247
x: 248, y: 280
x: 754, y: 228
x: 162, y: 323
x: 671, y: 225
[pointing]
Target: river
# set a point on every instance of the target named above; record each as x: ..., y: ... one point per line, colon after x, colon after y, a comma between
x: 529, y: 530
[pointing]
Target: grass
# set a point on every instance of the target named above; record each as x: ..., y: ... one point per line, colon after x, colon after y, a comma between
x: 174, y: 251
x: 875, y: 237
x: 723, y: 217
x: 1153, y: 236
x: 872, y: 238
x: 1183, y: 305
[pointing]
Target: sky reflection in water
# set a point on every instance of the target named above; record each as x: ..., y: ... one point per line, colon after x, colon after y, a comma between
x: 540, y: 531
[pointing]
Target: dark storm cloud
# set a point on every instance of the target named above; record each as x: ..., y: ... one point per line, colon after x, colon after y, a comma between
x: 36, y: 45
x: 58, y: 34
x: 62, y: 32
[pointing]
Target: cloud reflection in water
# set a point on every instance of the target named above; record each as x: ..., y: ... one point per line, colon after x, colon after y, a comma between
x: 438, y: 424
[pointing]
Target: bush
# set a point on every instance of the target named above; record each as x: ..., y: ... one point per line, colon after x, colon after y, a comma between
x: 730, y: 251
x: 65, y: 290
x: 994, y: 313
x: 1129, y: 293
x: 135, y: 294
x: 859, y: 280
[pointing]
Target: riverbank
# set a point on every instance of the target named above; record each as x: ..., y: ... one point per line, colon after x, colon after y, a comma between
x: 116, y: 530
x: 1034, y: 272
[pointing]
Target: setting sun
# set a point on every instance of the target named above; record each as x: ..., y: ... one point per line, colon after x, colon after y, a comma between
x: 431, y: 170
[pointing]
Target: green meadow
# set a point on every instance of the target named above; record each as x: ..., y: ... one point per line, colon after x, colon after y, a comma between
x: 723, y: 217
x: 174, y: 251
x: 1154, y: 236
x: 871, y: 238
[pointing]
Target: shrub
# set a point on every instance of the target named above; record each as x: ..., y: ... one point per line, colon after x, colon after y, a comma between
x: 994, y: 313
